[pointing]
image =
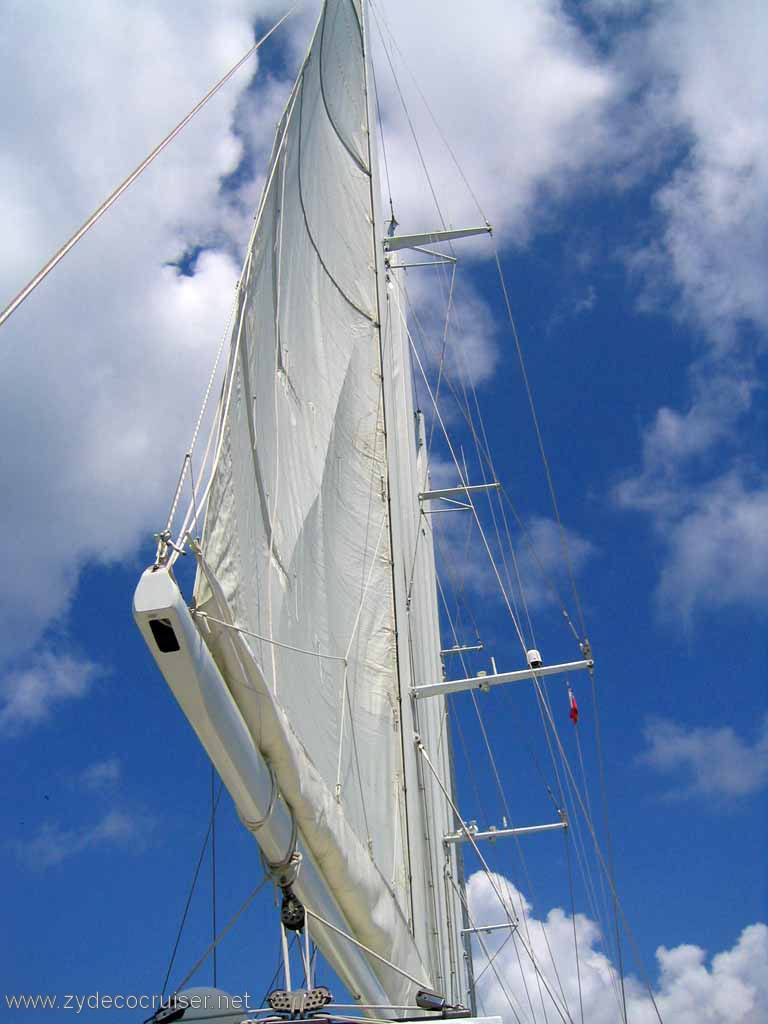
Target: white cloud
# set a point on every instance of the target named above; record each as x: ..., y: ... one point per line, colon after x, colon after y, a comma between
x: 714, y: 537
x: 101, y: 774
x: 718, y: 551
x: 461, y: 344
x: 30, y: 694
x: 525, y: 121
x: 543, y: 560
x: 462, y: 561
x: 705, y: 80
x: 709, y: 762
x: 709, y: 522
x: 54, y: 843
x: 532, y: 566
x: 731, y: 989
x: 714, y: 208
x: 721, y: 397
x: 106, y: 364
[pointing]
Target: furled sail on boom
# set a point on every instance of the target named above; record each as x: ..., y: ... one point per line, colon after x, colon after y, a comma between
x: 310, y: 531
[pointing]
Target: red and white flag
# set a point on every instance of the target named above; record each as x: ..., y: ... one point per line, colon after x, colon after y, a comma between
x: 573, y: 714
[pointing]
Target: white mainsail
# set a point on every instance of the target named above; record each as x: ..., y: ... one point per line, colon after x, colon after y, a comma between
x: 311, y: 541
x: 297, y: 528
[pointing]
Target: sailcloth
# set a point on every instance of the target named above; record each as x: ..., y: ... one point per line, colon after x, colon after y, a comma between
x: 297, y: 538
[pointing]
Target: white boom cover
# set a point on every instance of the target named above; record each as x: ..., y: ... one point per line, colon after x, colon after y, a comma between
x: 297, y: 534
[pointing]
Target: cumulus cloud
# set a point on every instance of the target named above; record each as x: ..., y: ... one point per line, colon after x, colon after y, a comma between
x: 55, y: 843
x: 454, y: 333
x: 533, y: 565
x: 29, y: 695
x: 674, y: 440
x: 714, y: 208
x: 533, y: 568
x: 707, y: 762
x: 710, y: 523
x: 107, y: 362
x: 731, y: 988
x: 525, y: 123
x: 705, y: 81
x: 718, y: 551
x: 543, y: 557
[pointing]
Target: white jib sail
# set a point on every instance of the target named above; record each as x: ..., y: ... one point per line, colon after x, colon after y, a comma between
x: 298, y: 539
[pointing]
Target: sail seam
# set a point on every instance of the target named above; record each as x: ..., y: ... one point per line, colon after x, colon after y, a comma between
x: 357, y: 22
x: 312, y: 241
x: 260, y: 489
x: 358, y: 161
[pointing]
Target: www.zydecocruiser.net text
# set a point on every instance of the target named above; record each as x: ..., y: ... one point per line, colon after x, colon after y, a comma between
x: 213, y: 1001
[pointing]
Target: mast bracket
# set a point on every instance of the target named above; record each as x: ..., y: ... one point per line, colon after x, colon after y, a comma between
x: 461, y: 649
x: 472, y: 834
x: 485, y: 682
x: 452, y: 492
x: 485, y: 928
x: 395, y: 242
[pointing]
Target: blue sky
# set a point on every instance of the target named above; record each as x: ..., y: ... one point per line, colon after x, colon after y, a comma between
x: 619, y: 149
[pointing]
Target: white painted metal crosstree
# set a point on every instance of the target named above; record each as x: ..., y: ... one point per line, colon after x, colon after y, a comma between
x: 485, y: 682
